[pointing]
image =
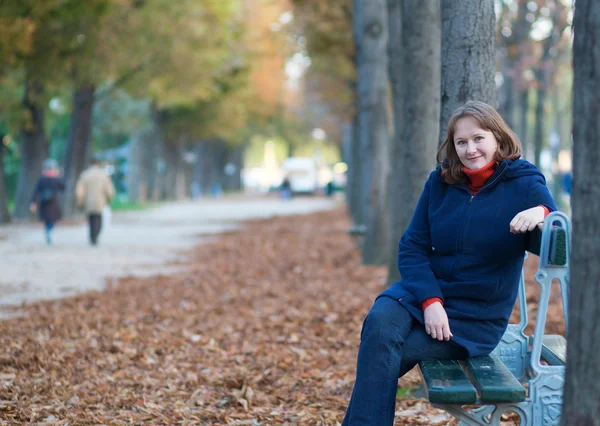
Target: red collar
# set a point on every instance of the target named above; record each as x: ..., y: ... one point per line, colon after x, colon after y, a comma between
x: 478, y: 178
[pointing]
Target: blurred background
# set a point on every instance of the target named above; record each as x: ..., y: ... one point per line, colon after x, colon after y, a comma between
x: 198, y: 98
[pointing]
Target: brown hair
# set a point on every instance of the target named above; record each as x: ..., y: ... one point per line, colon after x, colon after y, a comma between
x: 509, y: 145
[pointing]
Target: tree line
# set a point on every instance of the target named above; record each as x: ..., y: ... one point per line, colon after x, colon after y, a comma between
x: 179, y: 80
x: 414, y: 62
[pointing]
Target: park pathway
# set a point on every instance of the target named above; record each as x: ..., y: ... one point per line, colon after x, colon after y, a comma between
x: 136, y: 243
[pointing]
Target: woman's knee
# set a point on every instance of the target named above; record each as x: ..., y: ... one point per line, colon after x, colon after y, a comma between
x: 386, y: 321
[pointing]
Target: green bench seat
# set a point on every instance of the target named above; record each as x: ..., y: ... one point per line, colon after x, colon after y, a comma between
x: 477, y: 380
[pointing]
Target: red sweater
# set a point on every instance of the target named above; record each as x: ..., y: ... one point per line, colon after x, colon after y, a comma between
x: 477, y: 180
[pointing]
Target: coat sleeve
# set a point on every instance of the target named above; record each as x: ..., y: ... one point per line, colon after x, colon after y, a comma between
x: 414, y: 250
x: 539, y: 195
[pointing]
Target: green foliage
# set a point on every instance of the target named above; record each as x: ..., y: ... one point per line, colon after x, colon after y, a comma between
x: 119, y: 204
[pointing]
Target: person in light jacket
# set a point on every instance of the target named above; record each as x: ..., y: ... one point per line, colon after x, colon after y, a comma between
x: 94, y: 191
x: 460, y: 261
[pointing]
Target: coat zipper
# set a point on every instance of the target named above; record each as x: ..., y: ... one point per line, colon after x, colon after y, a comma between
x: 462, y: 236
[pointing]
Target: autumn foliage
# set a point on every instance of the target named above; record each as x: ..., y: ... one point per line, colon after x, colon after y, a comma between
x: 262, y: 328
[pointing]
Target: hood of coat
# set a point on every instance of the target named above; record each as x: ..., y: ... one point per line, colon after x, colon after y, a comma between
x: 519, y: 168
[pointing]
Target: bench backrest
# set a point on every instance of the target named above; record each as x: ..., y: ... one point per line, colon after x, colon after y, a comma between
x: 552, y: 244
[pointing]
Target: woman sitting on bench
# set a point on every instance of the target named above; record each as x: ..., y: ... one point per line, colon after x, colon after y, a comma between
x: 460, y: 260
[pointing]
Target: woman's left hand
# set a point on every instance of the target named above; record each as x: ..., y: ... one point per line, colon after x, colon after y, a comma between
x: 527, y: 220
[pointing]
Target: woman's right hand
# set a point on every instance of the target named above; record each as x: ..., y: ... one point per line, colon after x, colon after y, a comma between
x: 436, y: 322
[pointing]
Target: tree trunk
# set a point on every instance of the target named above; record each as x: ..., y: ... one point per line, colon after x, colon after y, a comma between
x: 524, y: 125
x: 202, y: 167
x: 79, y: 143
x: 33, y: 148
x: 507, y: 103
x: 354, y: 185
x: 374, y: 139
x: 4, y: 213
x: 545, y: 76
x: 538, y: 141
x: 346, y: 132
x: 395, y: 188
x: 582, y: 387
x: 414, y: 152
x: 151, y: 163
x: 173, y: 158
x: 135, y: 168
x: 468, y: 64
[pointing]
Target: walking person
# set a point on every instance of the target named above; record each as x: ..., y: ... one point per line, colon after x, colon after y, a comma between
x: 460, y: 261
x: 45, y: 198
x: 93, y: 192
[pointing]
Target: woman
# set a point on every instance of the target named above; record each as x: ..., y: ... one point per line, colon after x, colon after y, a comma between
x: 45, y: 195
x: 460, y: 260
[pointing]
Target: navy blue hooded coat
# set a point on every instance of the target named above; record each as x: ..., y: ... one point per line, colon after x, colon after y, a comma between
x: 459, y: 247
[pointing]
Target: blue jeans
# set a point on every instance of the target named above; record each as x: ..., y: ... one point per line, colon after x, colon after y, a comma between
x: 391, y: 344
x: 48, y: 226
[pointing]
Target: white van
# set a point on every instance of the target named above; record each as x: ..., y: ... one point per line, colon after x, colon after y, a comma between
x: 302, y: 173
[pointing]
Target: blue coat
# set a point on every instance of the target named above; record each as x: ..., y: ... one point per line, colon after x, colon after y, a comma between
x: 458, y: 247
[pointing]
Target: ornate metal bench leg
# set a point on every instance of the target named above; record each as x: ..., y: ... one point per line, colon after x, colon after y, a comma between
x: 546, y: 391
x: 514, y: 346
x: 488, y: 415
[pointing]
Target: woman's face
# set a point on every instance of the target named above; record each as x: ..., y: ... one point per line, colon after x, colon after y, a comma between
x: 475, y: 147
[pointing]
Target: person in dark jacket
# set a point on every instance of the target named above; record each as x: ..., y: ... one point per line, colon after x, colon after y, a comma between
x: 460, y: 261
x: 45, y: 197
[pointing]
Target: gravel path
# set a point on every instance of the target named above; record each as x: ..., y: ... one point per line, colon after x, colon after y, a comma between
x: 140, y: 243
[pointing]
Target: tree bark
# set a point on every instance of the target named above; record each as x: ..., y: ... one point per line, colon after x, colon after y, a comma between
x: 33, y: 148
x: 135, y: 168
x: 174, y: 163
x: 545, y: 75
x: 468, y: 64
x: 151, y: 163
x: 354, y: 188
x: 374, y: 138
x: 506, y: 106
x: 202, y: 167
x: 415, y: 149
x: 395, y: 187
x: 539, y: 138
x: 79, y: 143
x: 582, y: 387
x: 523, y: 128
x: 4, y: 213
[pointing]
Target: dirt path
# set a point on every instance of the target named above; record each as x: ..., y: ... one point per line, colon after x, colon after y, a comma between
x: 137, y: 243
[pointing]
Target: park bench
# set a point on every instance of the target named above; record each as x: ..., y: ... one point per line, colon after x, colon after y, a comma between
x: 513, y: 378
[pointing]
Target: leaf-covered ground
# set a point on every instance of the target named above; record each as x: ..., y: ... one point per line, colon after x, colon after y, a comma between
x: 263, y: 329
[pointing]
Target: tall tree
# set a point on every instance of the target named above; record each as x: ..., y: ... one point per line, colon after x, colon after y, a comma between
x: 4, y: 213
x: 396, y: 71
x: 545, y: 72
x: 33, y: 146
x: 515, y: 50
x: 581, y: 403
x: 468, y: 64
x: 415, y: 143
x: 78, y: 150
x: 371, y: 26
